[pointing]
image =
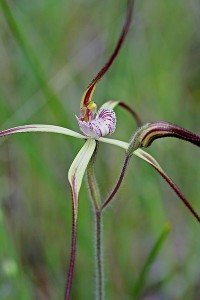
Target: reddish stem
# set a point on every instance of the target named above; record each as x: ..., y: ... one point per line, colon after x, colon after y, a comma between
x: 99, y: 257
x: 127, y: 157
x: 72, y: 257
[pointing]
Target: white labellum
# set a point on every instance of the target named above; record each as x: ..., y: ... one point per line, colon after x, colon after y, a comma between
x: 103, y: 124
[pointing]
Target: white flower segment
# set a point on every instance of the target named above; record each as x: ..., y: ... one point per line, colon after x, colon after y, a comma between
x: 103, y: 124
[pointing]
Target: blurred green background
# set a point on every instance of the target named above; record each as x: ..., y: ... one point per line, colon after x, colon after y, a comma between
x: 158, y: 74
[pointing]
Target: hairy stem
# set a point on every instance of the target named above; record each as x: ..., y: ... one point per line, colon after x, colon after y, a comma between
x: 99, y: 257
x: 96, y: 202
x: 72, y: 258
x: 92, y: 183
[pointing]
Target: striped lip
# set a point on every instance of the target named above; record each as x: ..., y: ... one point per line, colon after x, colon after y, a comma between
x: 103, y: 124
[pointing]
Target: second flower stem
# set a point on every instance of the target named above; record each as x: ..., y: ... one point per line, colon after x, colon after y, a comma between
x: 99, y: 257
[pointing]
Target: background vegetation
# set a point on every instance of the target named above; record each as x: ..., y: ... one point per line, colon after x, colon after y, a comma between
x: 158, y: 74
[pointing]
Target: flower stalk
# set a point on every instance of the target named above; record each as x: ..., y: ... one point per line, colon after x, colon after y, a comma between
x: 72, y: 257
x: 99, y: 257
x: 96, y: 203
x: 92, y: 182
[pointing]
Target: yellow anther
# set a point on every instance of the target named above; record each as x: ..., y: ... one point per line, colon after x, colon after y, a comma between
x: 92, y: 105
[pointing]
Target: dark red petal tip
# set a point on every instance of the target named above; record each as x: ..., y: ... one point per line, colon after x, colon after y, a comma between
x: 145, y: 136
x: 87, y: 95
x: 161, y: 129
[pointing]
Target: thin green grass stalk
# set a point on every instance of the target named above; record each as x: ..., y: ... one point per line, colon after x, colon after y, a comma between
x: 139, y: 285
x: 33, y: 62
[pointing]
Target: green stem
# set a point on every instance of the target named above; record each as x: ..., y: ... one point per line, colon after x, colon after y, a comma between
x: 92, y: 183
x: 96, y: 202
x: 99, y: 258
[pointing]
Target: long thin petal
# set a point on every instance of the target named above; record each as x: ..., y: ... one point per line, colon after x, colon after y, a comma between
x: 118, y: 143
x: 151, y: 160
x: 110, y: 104
x: 78, y: 168
x: 122, y: 145
x: 75, y: 176
x: 148, y: 158
x: 41, y: 128
x: 88, y: 94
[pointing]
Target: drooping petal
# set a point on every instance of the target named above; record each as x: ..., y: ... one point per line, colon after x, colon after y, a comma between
x: 151, y: 160
x: 148, y: 158
x: 103, y: 124
x: 41, y: 128
x: 77, y: 169
x: 75, y: 176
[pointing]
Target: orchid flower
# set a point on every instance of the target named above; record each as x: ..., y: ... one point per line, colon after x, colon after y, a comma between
x: 94, y: 125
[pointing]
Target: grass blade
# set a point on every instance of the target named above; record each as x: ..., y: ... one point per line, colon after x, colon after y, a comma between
x: 139, y: 285
x: 33, y: 62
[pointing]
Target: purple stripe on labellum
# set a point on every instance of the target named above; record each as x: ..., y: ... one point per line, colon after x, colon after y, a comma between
x: 103, y: 124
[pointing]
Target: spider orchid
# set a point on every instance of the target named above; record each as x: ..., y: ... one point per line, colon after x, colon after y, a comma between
x: 95, y: 124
